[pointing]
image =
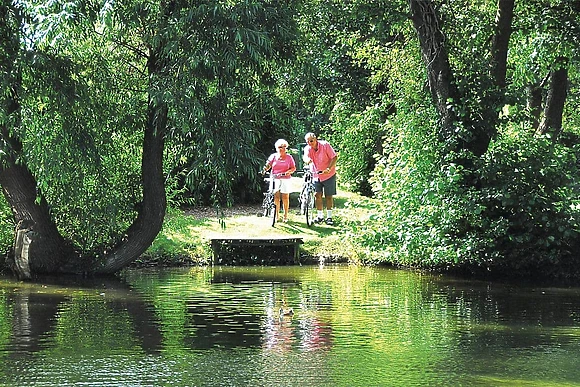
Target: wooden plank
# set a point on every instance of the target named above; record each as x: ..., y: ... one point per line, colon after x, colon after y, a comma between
x: 218, y: 243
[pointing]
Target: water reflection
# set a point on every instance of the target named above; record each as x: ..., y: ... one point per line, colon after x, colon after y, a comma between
x: 323, y: 326
x: 285, y: 330
x: 99, y: 315
x: 32, y: 319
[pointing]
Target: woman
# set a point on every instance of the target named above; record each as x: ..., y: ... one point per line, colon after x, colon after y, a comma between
x: 283, y: 166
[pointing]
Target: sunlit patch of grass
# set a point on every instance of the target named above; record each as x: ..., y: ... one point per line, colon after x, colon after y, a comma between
x: 185, y: 236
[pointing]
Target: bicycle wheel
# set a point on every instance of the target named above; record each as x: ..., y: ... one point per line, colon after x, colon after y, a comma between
x: 308, y: 208
x: 302, y: 202
x: 273, y: 213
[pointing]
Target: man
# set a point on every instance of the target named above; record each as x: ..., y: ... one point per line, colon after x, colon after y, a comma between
x: 321, y: 154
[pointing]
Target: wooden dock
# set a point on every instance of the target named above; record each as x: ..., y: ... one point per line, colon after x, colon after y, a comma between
x: 219, y: 245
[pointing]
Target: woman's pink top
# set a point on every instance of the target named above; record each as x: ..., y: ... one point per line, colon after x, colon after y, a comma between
x: 280, y: 165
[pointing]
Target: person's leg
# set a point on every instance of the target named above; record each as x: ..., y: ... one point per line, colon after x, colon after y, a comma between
x: 277, y: 203
x: 286, y: 205
x: 329, y: 202
x: 318, y: 201
x: 329, y: 192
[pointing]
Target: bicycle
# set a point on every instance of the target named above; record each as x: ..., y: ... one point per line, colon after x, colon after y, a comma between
x: 268, y: 203
x: 306, y: 198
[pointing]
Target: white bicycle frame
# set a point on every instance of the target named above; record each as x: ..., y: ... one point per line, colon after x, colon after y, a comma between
x: 269, y: 204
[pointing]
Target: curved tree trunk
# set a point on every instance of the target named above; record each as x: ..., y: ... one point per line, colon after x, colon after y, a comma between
x: 150, y: 218
x: 39, y: 247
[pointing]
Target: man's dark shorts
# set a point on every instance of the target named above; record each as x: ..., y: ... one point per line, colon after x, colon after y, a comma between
x: 327, y: 186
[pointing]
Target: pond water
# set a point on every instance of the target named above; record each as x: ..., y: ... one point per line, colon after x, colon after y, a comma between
x: 228, y: 326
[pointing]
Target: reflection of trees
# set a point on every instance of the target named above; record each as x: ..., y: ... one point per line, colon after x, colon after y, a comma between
x: 99, y: 316
x: 215, y: 322
x: 33, y: 316
x: 343, y: 318
x: 230, y: 307
x: 498, y: 314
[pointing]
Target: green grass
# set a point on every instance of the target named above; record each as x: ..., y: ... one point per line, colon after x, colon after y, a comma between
x: 185, y: 239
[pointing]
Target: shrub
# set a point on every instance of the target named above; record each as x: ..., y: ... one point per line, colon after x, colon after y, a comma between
x: 515, y: 212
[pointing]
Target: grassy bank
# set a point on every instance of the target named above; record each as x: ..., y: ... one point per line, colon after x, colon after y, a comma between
x: 185, y: 238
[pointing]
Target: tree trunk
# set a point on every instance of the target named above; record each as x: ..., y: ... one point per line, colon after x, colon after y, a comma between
x: 150, y: 219
x: 481, y: 124
x: 554, y: 108
x: 534, y: 104
x: 505, y: 15
x: 439, y: 75
x: 39, y: 247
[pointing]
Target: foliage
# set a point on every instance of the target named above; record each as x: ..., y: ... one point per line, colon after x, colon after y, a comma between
x: 78, y: 124
x: 6, y: 226
x: 510, y: 211
x: 221, y: 95
x: 242, y: 74
x: 521, y: 221
x: 403, y: 184
x: 85, y: 93
x: 339, y: 85
x: 358, y: 135
x: 531, y: 194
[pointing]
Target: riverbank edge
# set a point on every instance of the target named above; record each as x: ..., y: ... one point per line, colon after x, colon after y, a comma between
x: 186, y: 241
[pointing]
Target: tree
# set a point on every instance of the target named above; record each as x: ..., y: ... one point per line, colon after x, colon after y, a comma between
x: 555, y: 100
x: 152, y: 46
x: 228, y: 113
x: 453, y: 105
x: 336, y: 87
x: 465, y: 181
x: 501, y: 40
x: 39, y: 246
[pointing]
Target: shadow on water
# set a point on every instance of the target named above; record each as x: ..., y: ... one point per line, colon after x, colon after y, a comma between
x: 238, y: 275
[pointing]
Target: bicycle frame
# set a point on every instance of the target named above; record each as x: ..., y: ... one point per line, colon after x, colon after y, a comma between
x: 268, y: 203
x: 306, y: 198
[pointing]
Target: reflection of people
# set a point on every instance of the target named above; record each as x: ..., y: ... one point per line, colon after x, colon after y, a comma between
x: 323, y: 156
x: 279, y: 334
x: 315, y: 334
x: 283, y: 167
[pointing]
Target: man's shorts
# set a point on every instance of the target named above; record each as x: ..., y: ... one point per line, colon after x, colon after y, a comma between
x: 326, y: 186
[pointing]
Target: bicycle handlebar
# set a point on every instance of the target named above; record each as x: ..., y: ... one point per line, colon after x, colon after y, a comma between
x: 272, y: 175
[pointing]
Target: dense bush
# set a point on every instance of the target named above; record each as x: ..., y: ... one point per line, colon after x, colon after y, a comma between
x: 518, y: 220
x: 529, y: 219
x: 358, y: 136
